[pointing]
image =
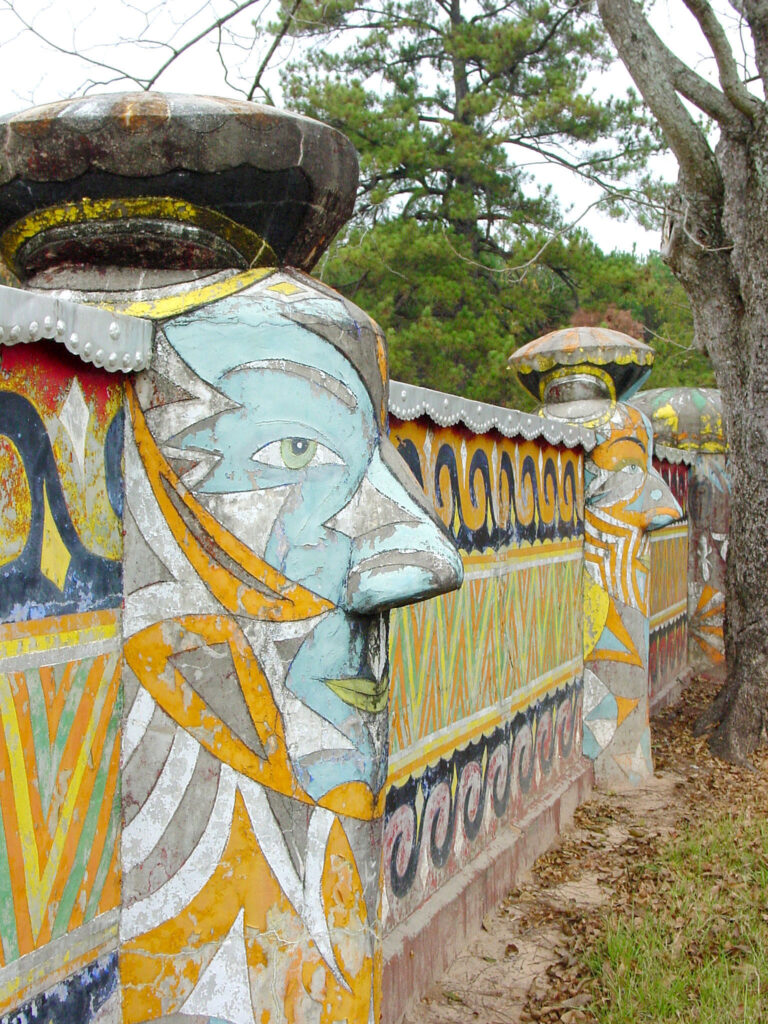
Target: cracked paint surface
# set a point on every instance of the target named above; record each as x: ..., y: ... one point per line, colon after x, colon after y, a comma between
x: 60, y: 671
x: 625, y: 499
x: 269, y: 528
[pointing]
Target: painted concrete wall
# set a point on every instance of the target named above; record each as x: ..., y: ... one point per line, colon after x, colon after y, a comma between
x: 668, y: 643
x: 486, y: 682
x: 209, y: 813
x: 269, y: 528
x: 691, y: 443
x: 267, y: 532
x: 485, y: 717
x: 61, y: 505
x: 709, y: 504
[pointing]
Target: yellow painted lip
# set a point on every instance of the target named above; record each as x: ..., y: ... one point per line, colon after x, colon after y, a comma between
x: 363, y: 694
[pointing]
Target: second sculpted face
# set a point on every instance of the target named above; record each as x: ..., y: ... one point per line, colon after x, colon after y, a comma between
x: 624, y: 497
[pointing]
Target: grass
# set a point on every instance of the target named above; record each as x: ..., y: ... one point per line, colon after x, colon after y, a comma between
x: 690, y: 941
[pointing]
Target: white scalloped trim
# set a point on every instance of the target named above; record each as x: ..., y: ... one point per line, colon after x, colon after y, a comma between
x: 675, y: 455
x: 113, y: 341
x: 408, y: 402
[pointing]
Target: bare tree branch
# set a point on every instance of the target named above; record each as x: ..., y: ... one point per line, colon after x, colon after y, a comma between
x: 279, y: 36
x: 9, y: 6
x: 648, y: 61
x: 519, y: 273
x: 727, y: 68
x: 755, y: 13
x: 213, y: 27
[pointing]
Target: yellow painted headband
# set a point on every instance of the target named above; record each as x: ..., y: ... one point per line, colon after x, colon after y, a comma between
x: 181, y: 301
x: 253, y: 249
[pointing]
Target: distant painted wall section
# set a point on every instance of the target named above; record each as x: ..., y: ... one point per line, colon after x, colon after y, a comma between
x: 710, y: 488
x: 626, y: 500
x: 692, y: 450
x: 61, y: 504
x: 486, y: 683
x: 668, y: 643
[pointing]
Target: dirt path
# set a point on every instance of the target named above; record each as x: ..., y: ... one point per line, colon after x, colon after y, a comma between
x: 522, y: 966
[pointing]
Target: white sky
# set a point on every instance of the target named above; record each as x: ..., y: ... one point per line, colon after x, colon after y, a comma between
x: 35, y: 72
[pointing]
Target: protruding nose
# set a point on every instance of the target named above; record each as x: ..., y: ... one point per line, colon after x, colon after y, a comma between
x: 400, y: 551
x: 657, y: 502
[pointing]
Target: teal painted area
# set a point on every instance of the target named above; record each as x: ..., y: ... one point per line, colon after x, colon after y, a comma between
x: 301, y: 421
x: 243, y: 330
x: 645, y: 746
x: 336, y: 649
x: 607, y: 708
x: 291, y: 389
x: 608, y: 641
x: 634, y: 388
x: 590, y: 747
x: 106, y: 856
x: 38, y: 718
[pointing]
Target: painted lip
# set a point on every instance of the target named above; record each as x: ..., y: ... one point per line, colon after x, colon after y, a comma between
x: 363, y: 694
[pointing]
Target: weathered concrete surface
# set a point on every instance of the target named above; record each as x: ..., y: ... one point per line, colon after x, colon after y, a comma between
x: 423, y: 946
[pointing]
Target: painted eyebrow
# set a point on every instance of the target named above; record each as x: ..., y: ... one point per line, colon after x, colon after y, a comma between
x: 317, y: 377
x: 628, y: 440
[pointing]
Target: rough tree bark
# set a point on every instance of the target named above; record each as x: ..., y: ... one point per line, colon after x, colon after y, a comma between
x: 716, y: 243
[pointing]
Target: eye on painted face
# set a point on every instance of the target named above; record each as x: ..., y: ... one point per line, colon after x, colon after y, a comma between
x: 620, y: 477
x: 297, y: 469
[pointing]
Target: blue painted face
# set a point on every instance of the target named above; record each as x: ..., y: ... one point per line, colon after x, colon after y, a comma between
x: 296, y: 467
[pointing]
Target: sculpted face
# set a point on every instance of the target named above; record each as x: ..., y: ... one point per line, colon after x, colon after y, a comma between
x: 287, y: 453
x: 624, y: 496
x: 620, y: 474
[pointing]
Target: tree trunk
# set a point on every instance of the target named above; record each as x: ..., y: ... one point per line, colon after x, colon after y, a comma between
x: 720, y: 254
x: 718, y: 249
x: 744, y: 709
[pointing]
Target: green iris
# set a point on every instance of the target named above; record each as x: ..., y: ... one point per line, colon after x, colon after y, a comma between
x: 297, y: 452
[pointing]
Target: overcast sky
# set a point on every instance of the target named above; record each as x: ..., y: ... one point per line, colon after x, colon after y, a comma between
x: 35, y: 70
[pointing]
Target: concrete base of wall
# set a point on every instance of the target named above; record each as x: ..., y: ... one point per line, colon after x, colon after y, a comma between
x: 422, y: 947
x: 671, y: 692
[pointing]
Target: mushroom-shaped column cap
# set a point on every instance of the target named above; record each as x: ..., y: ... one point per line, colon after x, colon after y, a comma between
x: 581, y: 364
x: 688, y: 418
x: 162, y: 180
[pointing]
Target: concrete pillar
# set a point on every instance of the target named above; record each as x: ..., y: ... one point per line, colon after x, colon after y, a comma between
x: 580, y: 375
x: 688, y: 423
x: 269, y: 526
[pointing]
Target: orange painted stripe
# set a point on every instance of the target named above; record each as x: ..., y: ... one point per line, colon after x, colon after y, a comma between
x: 15, y: 854
x: 110, y: 896
x: 79, y: 723
x: 86, y: 787
x: 102, y: 828
x: 56, y: 705
x: 20, y: 696
x: 57, y: 624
